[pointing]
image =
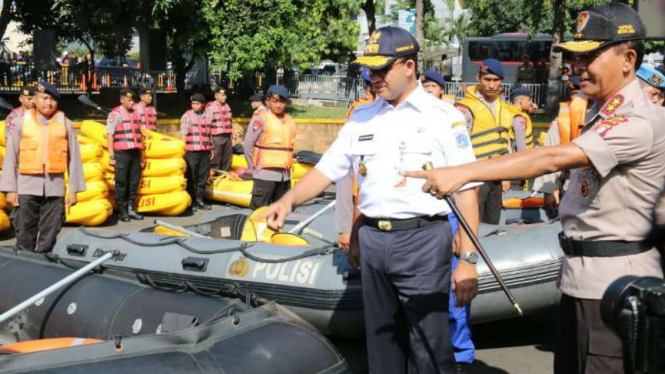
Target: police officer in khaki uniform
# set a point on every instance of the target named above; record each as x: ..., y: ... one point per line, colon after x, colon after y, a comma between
x: 617, y: 173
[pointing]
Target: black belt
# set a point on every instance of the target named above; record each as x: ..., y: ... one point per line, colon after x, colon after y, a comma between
x: 403, y: 224
x: 600, y: 248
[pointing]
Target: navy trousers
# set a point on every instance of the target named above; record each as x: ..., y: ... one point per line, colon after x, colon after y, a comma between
x: 406, y: 280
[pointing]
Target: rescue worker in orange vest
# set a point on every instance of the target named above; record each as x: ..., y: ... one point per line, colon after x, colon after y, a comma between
x: 271, y: 144
x: 222, y: 131
x: 40, y: 149
x: 563, y: 130
x: 496, y: 128
x: 147, y: 112
x: 370, y: 95
x: 195, y: 131
x: 125, y: 145
x: 25, y: 98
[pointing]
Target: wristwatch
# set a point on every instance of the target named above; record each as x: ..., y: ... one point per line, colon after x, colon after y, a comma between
x: 470, y: 257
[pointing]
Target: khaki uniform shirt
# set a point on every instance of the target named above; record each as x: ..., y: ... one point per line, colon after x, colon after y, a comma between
x: 624, y: 138
x: 46, y: 184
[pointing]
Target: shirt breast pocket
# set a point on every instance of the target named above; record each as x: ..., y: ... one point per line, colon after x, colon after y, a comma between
x: 415, y: 154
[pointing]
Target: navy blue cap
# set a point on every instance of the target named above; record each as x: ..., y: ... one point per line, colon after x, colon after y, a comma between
x: 198, y: 98
x: 278, y: 89
x: 434, y: 76
x: 651, y: 76
x: 256, y: 97
x: 574, y: 83
x: 364, y: 73
x: 385, y: 45
x: 48, y: 88
x: 519, y: 91
x: 126, y: 92
x: 492, y: 66
x: 603, y: 25
x: 27, y: 91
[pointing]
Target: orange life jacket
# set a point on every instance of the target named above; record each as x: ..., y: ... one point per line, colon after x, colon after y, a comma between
x: 43, y: 148
x: 274, y: 149
x: 198, y: 133
x: 128, y: 133
x: 571, y: 118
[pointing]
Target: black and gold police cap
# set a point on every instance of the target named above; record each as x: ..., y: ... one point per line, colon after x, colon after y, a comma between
x: 126, y: 92
x: 145, y: 91
x: 385, y: 45
x: 220, y: 90
x: 27, y: 91
x: 602, y: 25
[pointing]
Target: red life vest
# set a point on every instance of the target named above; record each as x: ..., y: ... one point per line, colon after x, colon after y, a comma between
x: 148, y: 116
x: 198, y: 132
x: 127, y: 133
x: 221, y: 118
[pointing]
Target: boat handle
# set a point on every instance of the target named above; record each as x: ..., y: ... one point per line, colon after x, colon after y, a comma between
x: 77, y: 249
x: 195, y: 264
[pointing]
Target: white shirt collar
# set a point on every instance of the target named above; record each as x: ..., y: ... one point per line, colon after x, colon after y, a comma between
x: 417, y: 99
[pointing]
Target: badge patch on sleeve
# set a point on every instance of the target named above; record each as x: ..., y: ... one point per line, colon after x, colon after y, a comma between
x: 604, y: 127
x: 462, y: 141
x: 111, y: 118
x: 365, y: 138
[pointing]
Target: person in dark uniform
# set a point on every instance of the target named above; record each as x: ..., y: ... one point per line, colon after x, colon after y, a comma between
x: 195, y: 130
x: 403, y: 236
x: 222, y: 131
x: 271, y: 142
x: 40, y: 149
x: 617, y: 172
x: 125, y: 145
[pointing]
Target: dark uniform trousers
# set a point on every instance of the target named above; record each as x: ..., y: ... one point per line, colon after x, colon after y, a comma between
x: 127, y: 176
x: 41, y: 216
x: 222, y: 152
x: 585, y: 344
x: 198, y: 169
x: 490, y: 198
x: 405, y: 282
x: 267, y: 192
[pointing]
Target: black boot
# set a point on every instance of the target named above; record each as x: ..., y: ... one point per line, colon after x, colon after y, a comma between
x: 202, y: 205
x: 133, y: 214
x: 122, y: 215
x: 461, y: 368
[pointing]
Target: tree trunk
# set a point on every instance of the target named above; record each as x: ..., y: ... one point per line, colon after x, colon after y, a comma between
x: 554, y: 81
x: 370, y: 12
x: 420, y: 36
x: 5, y: 16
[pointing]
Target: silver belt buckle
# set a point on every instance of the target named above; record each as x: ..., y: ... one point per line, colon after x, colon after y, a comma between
x: 385, y: 225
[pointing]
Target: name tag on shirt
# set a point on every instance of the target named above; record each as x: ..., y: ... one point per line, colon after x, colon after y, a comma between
x: 365, y: 138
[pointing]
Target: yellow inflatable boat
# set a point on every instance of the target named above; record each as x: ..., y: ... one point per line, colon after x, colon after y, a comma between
x: 3, y: 150
x: 92, y: 171
x: 156, y: 185
x: 4, y: 219
x: 238, y: 161
x: 89, y: 213
x: 162, y: 146
x: 168, y: 204
x: 94, y: 190
x: 91, y: 152
x: 228, y: 189
x: 299, y: 169
x: 164, y: 167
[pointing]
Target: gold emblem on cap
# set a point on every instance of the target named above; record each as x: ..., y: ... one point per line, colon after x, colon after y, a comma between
x: 655, y: 79
x: 625, y: 29
x: 374, y: 38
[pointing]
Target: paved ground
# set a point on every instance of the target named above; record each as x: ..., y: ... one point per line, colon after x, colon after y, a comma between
x: 517, y: 346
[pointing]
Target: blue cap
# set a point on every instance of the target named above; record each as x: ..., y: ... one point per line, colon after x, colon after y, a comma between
x: 279, y: 90
x: 492, y: 66
x: 434, y: 76
x: 364, y: 73
x: 519, y: 91
x: 385, y: 45
x: 48, y: 88
x: 652, y: 76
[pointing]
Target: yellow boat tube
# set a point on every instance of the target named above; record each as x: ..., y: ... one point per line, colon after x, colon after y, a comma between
x: 227, y: 190
x: 155, y: 185
x: 164, y: 167
x: 92, y: 171
x: 162, y: 146
x: 5, y: 223
x: 94, y: 190
x: 168, y: 204
x: 89, y: 213
x: 91, y: 152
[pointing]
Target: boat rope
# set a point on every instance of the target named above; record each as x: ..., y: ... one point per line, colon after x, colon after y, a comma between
x: 182, y: 242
